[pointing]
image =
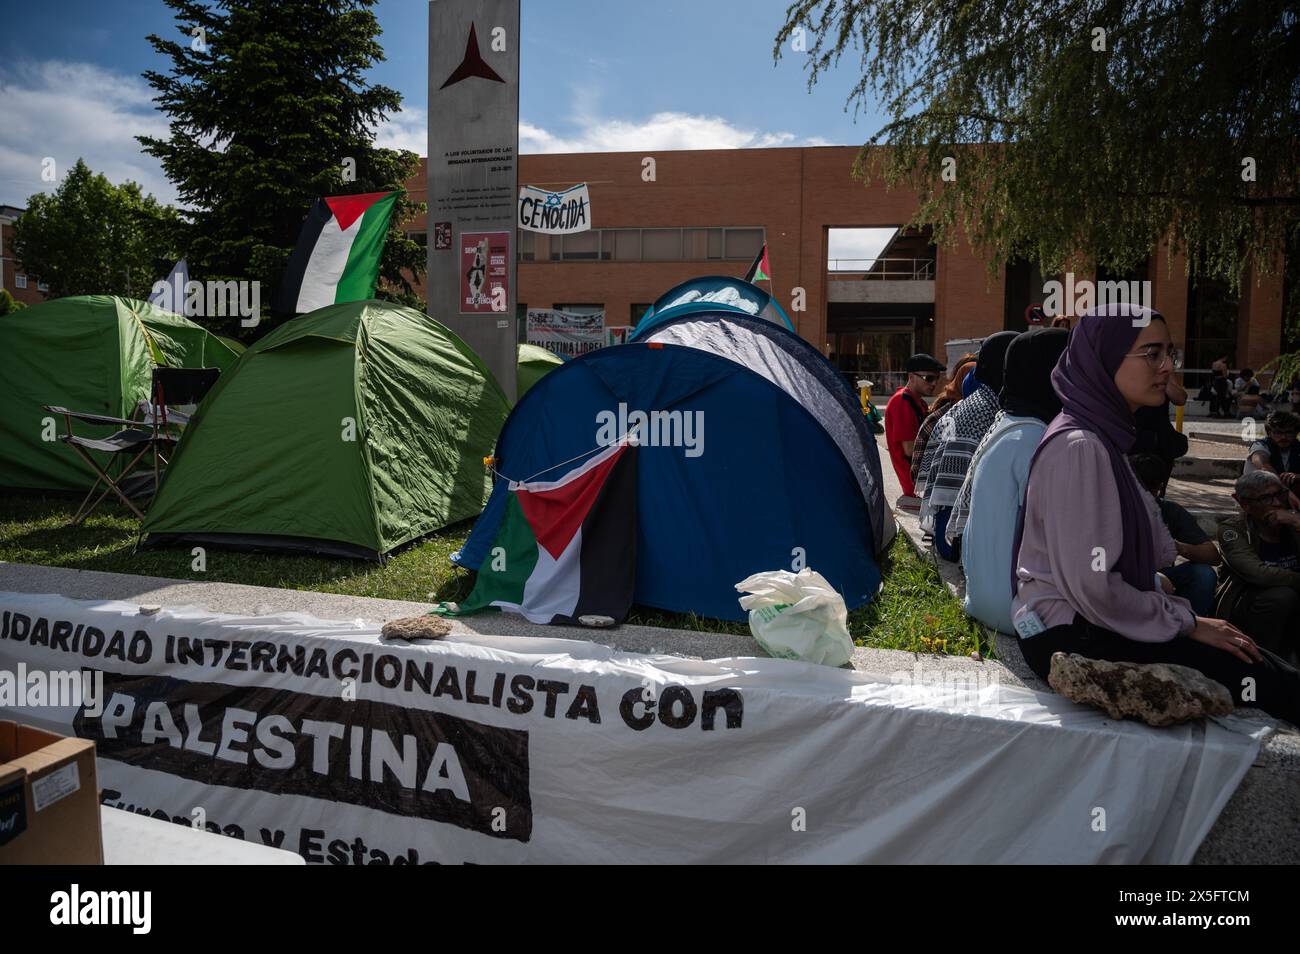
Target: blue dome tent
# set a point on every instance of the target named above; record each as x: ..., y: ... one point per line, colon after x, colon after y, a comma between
x: 712, y: 294
x: 774, y: 457
x: 797, y: 368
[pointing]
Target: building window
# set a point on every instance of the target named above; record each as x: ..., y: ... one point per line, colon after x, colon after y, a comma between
x: 1212, y: 315
x: 643, y: 245
x: 420, y: 238
x: 20, y: 281
x: 578, y: 246
x: 621, y: 245
x: 638, y: 312
x: 695, y: 244
x: 661, y: 245
x: 742, y: 243
x: 715, y: 243
x: 42, y: 286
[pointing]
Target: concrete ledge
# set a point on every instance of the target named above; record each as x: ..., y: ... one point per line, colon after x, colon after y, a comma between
x: 1202, y: 468
x: 1260, y: 825
x: 1217, y: 438
x: 1261, y: 822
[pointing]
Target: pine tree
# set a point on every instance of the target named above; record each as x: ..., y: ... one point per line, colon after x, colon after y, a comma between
x: 270, y: 109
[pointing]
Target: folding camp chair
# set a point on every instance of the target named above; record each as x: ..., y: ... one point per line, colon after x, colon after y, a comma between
x: 171, y: 386
x: 131, y: 440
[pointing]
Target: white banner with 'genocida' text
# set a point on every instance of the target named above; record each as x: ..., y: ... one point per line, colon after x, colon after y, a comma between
x: 555, y: 213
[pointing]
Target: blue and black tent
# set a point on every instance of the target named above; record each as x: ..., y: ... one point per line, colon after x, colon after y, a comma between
x: 712, y: 293
x: 772, y: 463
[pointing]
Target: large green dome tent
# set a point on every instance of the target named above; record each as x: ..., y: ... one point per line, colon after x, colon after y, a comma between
x: 350, y: 431
x: 534, y: 364
x: 90, y: 353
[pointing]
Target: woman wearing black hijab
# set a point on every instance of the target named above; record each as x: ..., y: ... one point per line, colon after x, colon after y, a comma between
x: 958, y: 434
x: 985, y: 515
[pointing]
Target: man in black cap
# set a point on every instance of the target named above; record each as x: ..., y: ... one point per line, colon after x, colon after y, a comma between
x: 905, y: 412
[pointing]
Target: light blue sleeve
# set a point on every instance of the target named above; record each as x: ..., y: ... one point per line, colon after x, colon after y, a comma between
x: 996, y: 493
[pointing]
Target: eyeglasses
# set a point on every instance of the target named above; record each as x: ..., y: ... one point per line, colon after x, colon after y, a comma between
x: 927, y: 378
x: 1156, y: 356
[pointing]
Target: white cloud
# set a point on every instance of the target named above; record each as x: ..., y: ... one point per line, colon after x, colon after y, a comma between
x: 405, y: 129
x: 665, y: 130
x: 68, y: 110
x: 853, y: 248
x: 594, y: 133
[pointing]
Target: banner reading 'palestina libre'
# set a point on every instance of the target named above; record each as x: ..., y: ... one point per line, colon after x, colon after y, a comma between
x: 564, y: 332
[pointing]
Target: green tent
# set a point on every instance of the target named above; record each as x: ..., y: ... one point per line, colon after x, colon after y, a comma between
x: 534, y: 363
x: 91, y: 353
x: 350, y: 430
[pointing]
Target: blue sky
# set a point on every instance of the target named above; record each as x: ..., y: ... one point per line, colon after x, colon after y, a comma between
x: 595, y: 76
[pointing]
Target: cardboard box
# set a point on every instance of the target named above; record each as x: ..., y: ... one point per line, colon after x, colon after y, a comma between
x: 49, y: 799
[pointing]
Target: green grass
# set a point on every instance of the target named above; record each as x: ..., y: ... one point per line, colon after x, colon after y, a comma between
x: 913, y: 611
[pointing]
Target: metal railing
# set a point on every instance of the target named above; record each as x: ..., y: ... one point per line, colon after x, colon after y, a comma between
x: 881, y: 269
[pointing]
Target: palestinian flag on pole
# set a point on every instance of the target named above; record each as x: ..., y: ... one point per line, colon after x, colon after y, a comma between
x: 337, y: 255
x: 759, y: 269
x: 565, y: 548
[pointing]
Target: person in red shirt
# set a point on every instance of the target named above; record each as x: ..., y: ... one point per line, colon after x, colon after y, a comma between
x: 905, y: 412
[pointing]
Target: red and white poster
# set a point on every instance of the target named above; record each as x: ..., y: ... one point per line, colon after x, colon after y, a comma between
x: 484, y: 268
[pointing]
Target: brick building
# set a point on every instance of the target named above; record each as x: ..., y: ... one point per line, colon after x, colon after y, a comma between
x: 13, y: 278
x: 709, y: 211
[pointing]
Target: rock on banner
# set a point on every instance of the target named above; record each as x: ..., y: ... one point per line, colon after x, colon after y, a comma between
x: 324, y: 739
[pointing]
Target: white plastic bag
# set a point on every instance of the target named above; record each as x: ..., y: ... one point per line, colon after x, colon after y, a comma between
x: 797, y: 616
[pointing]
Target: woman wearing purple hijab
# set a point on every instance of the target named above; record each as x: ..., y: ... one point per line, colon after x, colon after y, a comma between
x: 1090, y: 539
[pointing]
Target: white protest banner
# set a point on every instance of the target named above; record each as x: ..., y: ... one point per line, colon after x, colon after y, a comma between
x: 565, y: 332
x: 555, y: 213
x: 325, y: 739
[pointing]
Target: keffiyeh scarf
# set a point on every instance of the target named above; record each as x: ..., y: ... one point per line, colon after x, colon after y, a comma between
x: 955, y: 440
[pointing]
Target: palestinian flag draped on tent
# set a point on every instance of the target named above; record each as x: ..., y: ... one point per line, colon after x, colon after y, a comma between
x: 337, y: 256
x: 759, y: 269
x: 565, y: 548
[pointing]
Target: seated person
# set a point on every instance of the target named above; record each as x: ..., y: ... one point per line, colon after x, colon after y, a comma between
x: 1090, y: 540
x: 957, y: 436
x: 1156, y: 433
x: 985, y: 515
x: 1248, y: 404
x: 945, y: 399
x: 1260, y: 588
x: 905, y: 412
x: 1278, y: 452
x: 1195, y: 580
x: 1221, y: 393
